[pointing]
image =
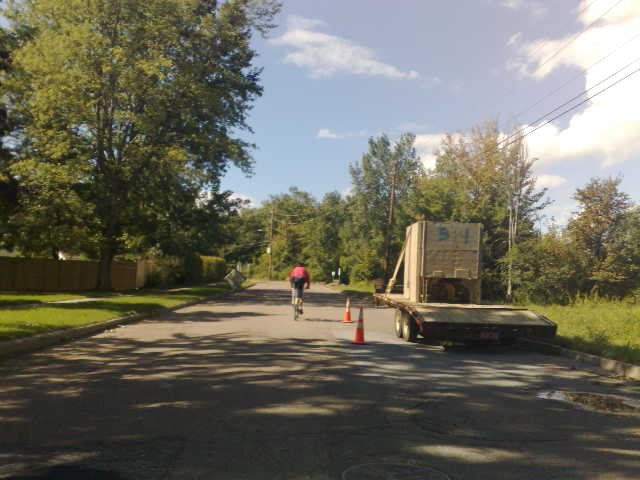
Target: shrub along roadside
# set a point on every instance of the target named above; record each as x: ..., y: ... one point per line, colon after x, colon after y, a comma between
x: 193, y: 268
x: 606, y: 328
x: 24, y: 322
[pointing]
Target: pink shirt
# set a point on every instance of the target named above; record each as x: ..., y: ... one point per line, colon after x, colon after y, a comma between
x: 300, y: 272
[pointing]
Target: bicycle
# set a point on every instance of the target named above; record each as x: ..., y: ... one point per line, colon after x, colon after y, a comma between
x: 296, y: 302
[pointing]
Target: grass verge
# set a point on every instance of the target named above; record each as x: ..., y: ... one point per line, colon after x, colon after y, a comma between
x: 356, y: 288
x: 9, y: 299
x: 23, y: 322
x: 604, y: 328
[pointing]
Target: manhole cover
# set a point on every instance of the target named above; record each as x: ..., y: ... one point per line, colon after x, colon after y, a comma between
x: 594, y: 401
x: 390, y: 471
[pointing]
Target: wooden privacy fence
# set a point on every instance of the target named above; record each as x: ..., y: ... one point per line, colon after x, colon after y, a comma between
x: 37, y: 274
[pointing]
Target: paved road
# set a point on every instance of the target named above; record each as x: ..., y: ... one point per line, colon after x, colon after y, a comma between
x: 234, y: 389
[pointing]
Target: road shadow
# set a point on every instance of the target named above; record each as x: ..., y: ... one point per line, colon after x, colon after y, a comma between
x: 233, y: 405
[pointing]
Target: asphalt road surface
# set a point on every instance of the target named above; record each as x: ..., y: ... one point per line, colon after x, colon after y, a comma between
x: 235, y: 389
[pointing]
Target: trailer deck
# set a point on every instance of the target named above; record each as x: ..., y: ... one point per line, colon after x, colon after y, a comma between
x: 465, y: 313
x: 469, y: 322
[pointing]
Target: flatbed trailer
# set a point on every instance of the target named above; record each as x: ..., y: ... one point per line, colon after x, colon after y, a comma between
x: 440, y: 295
x: 465, y: 323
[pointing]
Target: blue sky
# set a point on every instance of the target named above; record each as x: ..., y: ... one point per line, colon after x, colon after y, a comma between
x: 337, y: 72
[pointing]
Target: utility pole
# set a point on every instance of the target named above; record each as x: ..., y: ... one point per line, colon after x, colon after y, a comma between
x: 270, y: 245
x: 392, y: 203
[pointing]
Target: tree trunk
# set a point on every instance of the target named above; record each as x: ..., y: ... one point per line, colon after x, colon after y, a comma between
x: 509, y: 252
x: 104, y: 267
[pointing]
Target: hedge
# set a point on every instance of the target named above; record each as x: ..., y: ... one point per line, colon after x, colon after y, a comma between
x: 213, y: 268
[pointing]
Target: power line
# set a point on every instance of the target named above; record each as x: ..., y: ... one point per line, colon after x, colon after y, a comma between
x: 573, y: 78
x: 582, y: 10
x: 518, y: 136
x: 571, y: 40
x: 574, y: 98
x: 576, y: 36
x: 575, y: 106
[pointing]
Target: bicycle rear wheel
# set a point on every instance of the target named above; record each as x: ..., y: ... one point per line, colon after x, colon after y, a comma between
x: 294, y: 303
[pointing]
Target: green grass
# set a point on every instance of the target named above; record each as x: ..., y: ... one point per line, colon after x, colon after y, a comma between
x: 356, y: 288
x: 26, y: 298
x: 22, y: 322
x: 605, y: 328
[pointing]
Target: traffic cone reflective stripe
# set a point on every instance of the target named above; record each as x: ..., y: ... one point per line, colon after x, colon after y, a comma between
x: 359, y: 338
x: 347, y: 312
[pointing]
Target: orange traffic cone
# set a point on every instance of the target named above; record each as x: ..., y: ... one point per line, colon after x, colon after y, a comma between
x: 347, y: 312
x: 359, y: 338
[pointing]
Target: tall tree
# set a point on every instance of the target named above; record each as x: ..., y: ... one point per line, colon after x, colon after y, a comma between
x: 597, y: 230
x: 381, y: 181
x: 323, y: 245
x: 482, y: 178
x: 132, y: 104
x: 7, y: 193
x: 523, y: 200
x: 287, y: 215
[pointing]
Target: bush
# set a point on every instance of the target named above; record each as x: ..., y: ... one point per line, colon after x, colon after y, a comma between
x: 193, y: 268
x: 167, y: 271
x: 213, y: 269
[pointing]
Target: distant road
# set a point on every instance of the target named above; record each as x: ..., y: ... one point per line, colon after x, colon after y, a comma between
x: 235, y: 389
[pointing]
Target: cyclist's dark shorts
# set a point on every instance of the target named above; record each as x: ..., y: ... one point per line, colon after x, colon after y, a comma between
x: 299, y: 283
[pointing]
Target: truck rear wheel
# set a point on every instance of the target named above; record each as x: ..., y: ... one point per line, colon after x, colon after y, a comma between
x: 398, y: 323
x: 409, y: 328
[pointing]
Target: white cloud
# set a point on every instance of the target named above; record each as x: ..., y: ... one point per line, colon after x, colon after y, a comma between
x: 326, y: 55
x: 531, y: 7
x: 607, y: 127
x: 346, y: 193
x: 514, y: 39
x: 328, y: 134
x: 558, y: 215
x: 426, y: 146
x: 430, y: 82
x: 413, y: 127
x: 550, y: 181
x: 298, y: 22
x: 250, y: 202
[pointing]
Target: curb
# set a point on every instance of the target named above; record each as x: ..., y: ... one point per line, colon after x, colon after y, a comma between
x: 621, y: 368
x: 20, y: 346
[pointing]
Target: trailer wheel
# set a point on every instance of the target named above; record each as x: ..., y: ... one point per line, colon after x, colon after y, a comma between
x: 398, y: 323
x: 409, y: 328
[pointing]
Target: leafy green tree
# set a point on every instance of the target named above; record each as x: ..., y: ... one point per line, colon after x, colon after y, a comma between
x: 323, y: 245
x: 434, y: 198
x: 524, y: 201
x: 597, y: 254
x: 247, y: 235
x: 382, y: 180
x: 8, y: 194
x: 132, y: 105
x: 287, y: 217
x: 486, y: 179
x: 598, y: 230
x: 547, y: 269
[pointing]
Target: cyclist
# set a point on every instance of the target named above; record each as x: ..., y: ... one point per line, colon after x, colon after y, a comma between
x: 298, y: 278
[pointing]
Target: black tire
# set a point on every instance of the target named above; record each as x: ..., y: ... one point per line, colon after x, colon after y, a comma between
x: 398, y: 323
x: 409, y: 328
